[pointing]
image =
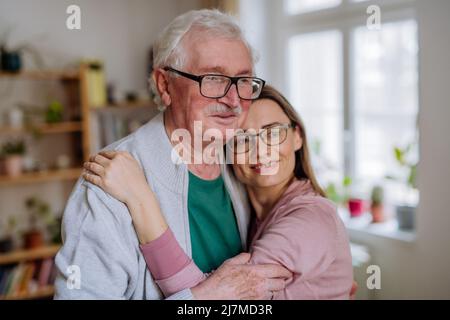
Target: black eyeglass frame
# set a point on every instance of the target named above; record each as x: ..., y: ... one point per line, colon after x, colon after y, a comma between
x: 233, y: 80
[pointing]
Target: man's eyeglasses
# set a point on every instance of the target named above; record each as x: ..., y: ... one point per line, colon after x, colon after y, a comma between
x: 271, y: 136
x: 217, y: 86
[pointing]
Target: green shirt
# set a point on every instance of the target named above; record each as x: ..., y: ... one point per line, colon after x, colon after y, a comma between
x: 213, y: 227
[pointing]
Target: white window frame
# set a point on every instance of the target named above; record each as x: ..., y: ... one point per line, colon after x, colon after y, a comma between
x: 343, y: 18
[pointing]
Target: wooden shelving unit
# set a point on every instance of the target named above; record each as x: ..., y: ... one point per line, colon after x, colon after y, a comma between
x: 79, y: 131
x: 68, y: 127
x: 43, y: 74
x: 28, y: 255
x: 126, y: 106
x: 41, y: 293
x: 63, y: 127
x: 42, y: 177
x: 76, y: 131
x: 21, y: 256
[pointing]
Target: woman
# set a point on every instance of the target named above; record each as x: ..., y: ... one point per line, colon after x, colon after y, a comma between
x: 294, y: 225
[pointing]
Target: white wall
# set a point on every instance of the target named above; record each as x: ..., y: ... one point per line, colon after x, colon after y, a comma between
x: 119, y: 32
x: 253, y: 20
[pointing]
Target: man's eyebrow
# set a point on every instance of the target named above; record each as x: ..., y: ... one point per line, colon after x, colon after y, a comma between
x: 220, y: 70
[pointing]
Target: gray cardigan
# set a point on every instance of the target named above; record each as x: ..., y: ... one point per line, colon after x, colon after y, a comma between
x: 99, y: 240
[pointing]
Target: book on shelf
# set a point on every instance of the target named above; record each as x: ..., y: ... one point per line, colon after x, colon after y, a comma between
x: 26, y: 278
x: 45, y: 271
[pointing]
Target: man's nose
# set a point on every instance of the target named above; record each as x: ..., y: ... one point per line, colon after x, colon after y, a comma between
x: 232, y: 97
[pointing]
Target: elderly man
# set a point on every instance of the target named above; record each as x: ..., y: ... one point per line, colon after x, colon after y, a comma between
x: 203, y: 68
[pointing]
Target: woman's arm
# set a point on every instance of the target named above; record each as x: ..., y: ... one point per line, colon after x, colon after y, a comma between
x: 119, y: 174
x: 307, y: 239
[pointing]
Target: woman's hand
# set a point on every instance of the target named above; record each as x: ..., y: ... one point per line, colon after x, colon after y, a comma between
x: 119, y: 174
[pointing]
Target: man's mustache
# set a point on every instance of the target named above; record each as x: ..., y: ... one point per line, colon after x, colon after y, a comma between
x: 215, y: 109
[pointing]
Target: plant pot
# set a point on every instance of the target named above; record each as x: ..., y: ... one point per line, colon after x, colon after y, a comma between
x: 6, y: 245
x: 33, y: 239
x: 377, y: 211
x: 356, y: 207
x: 406, y: 217
x: 13, y: 165
x: 15, y: 118
x: 11, y: 61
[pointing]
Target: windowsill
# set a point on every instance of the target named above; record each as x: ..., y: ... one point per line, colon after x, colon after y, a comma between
x: 363, y: 225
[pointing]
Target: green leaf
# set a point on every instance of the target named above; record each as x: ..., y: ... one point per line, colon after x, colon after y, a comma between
x: 399, y: 156
x: 347, y: 181
x: 412, y: 179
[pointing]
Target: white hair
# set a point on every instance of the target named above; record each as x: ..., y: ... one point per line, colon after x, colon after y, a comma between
x: 168, y: 49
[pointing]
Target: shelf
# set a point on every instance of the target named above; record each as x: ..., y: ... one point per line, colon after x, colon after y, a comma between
x: 45, y: 176
x: 126, y: 106
x: 63, y: 127
x: 27, y: 255
x: 41, y: 293
x: 42, y: 75
x: 20, y: 256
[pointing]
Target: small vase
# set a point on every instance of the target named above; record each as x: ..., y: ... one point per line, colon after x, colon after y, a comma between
x: 11, y: 61
x: 33, y: 239
x: 13, y: 165
x: 406, y: 217
x: 377, y: 211
x: 356, y: 207
x: 6, y: 245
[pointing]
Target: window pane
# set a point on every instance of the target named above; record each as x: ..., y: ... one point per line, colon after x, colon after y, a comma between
x: 315, y: 71
x: 299, y: 6
x: 385, y: 97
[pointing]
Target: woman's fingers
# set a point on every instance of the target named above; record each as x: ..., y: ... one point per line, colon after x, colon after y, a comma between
x: 108, y: 154
x: 93, y: 178
x: 100, y: 159
x: 95, y: 168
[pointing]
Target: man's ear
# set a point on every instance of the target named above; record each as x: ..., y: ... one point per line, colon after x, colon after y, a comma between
x: 160, y: 77
x: 298, y: 141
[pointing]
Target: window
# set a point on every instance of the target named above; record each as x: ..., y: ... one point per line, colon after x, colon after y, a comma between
x: 355, y: 88
x: 300, y: 6
x: 385, y: 95
x: 315, y: 86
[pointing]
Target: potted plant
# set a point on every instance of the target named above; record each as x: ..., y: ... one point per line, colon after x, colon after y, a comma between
x: 7, y: 241
x: 376, y: 205
x: 341, y: 196
x: 54, y: 113
x: 406, y: 210
x: 12, y: 153
x: 40, y: 216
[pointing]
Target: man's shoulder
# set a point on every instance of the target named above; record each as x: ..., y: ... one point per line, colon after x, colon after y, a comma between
x: 89, y: 200
x: 145, y: 137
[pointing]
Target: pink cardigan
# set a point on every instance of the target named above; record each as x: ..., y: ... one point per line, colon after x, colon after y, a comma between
x: 302, y: 233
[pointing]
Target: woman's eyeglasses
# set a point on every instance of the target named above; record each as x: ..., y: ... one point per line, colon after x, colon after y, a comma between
x: 271, y: 136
